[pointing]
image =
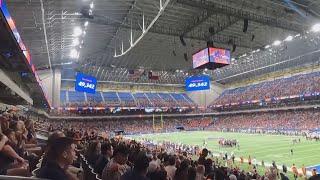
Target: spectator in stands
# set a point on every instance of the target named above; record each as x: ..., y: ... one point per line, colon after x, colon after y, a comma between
x: 158, y: 174
x: 117, y: 165
x: 104, y: 157
x: 182, y: 171
x: 60, y: 155
x: 140, y: 169
x: 315, y: 177
x: 208, y: 164
x: 31, y: 136
x: 93, y: 152
x: 192, y: 173
x: 203, y: 156
x: 171, y: 168
x: 232, y: 177
x: 200, y: 172
x: 11, y: 161
x: 51, y: 140
x: 154, y: 163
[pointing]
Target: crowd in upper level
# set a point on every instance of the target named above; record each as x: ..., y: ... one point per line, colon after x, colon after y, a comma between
x: 298, y: 86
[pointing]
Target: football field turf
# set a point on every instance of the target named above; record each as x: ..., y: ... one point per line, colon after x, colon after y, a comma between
x: 261, y: 147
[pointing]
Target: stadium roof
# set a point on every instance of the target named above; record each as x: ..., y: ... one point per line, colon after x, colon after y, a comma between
x: 52, y: 29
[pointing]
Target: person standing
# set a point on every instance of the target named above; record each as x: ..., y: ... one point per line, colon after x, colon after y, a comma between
x: 304, y: 170
x: 104, y: 157
x: 295, y: 171
x: 254, y: 161
x: 241, y: 159
x: 233, y: 158
x: 171, y: 168
x: 284, y: 168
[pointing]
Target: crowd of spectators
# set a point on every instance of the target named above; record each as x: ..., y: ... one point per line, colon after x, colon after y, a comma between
x: 293, y: 120
x: 130, y: 126
x: 19, y: 150
x: 124, y: 159
x: 115, y: 158
x: 298, y: 120
x: 304, y: 84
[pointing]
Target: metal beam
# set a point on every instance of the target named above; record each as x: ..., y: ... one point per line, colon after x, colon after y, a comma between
x: 7, y: 81
x: 244, y: 14
x: 218, y: 38
x: 197, y: 21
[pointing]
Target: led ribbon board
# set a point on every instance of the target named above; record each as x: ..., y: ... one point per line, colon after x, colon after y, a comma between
x: 85, y: 83
x: 10, y: 21
x: 197, y: 83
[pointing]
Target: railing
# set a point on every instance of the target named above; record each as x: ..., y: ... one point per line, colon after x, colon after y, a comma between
x: 89, y: 173
x: 3, y: 177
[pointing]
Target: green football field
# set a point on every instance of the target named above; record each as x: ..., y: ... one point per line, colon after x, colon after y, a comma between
x: 262, y: 147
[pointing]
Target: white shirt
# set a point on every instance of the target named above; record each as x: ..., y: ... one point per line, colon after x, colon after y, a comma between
x: 171, y: 171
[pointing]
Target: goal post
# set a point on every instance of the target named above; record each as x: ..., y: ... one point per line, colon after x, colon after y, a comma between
x: 157, y: 124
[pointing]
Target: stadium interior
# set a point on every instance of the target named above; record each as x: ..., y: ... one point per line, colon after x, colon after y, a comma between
x: 160, y: 89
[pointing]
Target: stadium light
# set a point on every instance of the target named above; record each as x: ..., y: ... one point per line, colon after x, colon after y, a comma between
x: 86, y: 23
x: 75, y: 42
x: 77, y: 31
x: 74, y: 53
x: 276, y: 43
x: 289, y: 38
x: 316, y: 28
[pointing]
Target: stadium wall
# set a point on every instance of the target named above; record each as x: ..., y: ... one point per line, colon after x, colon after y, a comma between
x: 204, y: 98
x: 51, y: 85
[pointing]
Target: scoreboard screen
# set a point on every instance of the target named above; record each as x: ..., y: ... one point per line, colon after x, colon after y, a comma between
x: 197, y: 83
x: 85, y: 83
